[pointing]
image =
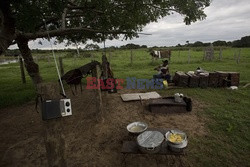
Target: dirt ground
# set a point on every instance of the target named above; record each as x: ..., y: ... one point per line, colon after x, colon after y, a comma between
x: 91, y: 141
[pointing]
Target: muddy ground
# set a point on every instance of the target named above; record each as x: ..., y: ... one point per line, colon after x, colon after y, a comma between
x: 91, y: 141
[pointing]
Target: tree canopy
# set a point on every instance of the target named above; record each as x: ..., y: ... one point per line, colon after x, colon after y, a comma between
x: 90, y: 19
x: 92, y: 47
x: 243, y: 42
x: 80, y: 20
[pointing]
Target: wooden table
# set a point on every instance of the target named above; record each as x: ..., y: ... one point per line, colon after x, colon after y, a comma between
x: 131, y: 147
x: 167, y: 106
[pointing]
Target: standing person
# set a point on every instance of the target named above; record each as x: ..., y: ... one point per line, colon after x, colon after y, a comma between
x: 163, y: 71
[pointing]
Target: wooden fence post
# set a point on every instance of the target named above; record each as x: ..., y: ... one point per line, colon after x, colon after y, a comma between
x: 238, y: 58
x: 92, y: 57
x: 220, y: 55
x: 22, y: 70
x: 131, y: 57
x: 53, y: 129
x: 48, y: 59
x: 106, y: 76
x: 105, y: 66
x: 61, y: 66
x: 98, y: 94
x: 188, y: 56
x: 36, y: 58
x: 110, y: 57
x: 77, y: 50
x: 204, y: 55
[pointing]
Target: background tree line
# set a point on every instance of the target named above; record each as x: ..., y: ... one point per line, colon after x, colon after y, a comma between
x: 243, y: 42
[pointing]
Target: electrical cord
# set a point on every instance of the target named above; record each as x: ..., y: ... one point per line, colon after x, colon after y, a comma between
x: 54, y: 56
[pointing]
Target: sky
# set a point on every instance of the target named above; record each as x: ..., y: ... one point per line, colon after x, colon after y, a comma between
x: 226, y: 20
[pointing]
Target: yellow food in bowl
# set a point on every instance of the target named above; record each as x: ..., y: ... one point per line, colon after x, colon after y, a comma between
x: 175, y: 138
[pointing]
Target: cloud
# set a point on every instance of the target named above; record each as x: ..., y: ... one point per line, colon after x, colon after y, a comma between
x: 226, y: 20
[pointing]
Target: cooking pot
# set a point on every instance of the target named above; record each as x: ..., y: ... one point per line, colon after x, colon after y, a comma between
x: 176, y: 146
x: 150, y: 142
x: 178, y: 97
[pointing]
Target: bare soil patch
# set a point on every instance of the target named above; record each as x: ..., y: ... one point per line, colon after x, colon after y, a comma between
x: 89, y: 140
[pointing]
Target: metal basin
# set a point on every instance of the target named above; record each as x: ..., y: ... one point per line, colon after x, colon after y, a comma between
x: 176, y: 132
x: 137, y: 127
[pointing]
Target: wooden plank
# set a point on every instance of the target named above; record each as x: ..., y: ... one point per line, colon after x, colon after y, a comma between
x: 131, y: 147
x: 167, y: 101
x: 139, y: 96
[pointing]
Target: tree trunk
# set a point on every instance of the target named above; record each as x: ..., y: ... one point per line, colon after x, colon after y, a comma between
x: 31, y: 67
x: 54, y: 138
x: 7, y: 26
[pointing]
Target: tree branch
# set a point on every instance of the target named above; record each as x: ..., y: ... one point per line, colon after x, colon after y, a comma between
x: 63, y: 18
x: 158, y: 7
x: 67, y: 31
x: 84, y: 8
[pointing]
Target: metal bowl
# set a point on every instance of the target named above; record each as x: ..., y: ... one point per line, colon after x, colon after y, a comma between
x: 175, y: 131
x: 137, y: 127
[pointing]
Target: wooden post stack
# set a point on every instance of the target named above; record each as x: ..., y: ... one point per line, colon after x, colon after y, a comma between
x: 223, y: 77
x: 203, y: 83
x: 193, y: 81
x: 203, y: 80
x: 181, y: 79
x: 234, y: 78
x: 213, y: 79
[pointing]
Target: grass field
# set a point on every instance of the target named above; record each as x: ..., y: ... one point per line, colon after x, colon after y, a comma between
x: 227, y: 112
